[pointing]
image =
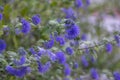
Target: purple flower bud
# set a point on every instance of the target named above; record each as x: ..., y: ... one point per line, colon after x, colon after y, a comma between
x: 2, y: 45
x: 69, y: 50
x: 1, y: 16
x: 26, y: 27
x: 67, y: 70
x: 78, y: 3
x: 36, y: 19
x: 61, y: 57
x: 84, y: 61
x: 94, y: 74
x: 109, y: 47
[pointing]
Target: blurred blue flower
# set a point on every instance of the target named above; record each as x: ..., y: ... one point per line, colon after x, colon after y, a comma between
x: 78, y: 3
x: 84, y: 61
x: 61, y: 57
x: 94, y: 74
x: 26, y: 27
x: 69, y: 50
x: 6, y: 30
x: 1, y: 16
x: 18, y: 72
x: 44, y: 68
x: 32, y: 50
x: 76, y: 65
x: 69, y: 23
x: 73, y: 32
x: 117, y: 39
x: 84, y: 37
x: 21, y: 61
x: 67, y: 70
x: 49, y: 44
x: 60, y: 40
x: 70, y: 13
x: 17, y: 31
x: 22, y: 51
x: 52, y: 56
x: 109, y: 47
x: 2, y: 45
x: 116, y: 75
x: 36, y: 19
x: 88, y: 2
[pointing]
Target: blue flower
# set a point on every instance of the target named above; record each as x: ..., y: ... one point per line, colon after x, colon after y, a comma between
x: 19, y: 72
x: 21, y: 61
x: 6, y: 30
x: 49, y: 44
x: 73, y: 32
x: 69, y: 50
x: 116, y: 75
x: 84, y: 37
x: 1, y: 16
x: 78, y: 3
x: 67, y: 70
x: 61, y: 57
x: 76, y: 65
x: 84, y: 61
x: 94, y: 73
x: 69, y: 13
x: 22, y: 51
x: 17, y: 31
x: 36, y: 19
x: 32, y: 50
x: 117, y: 39
x: 44, y: 68
x: 52, y: 56
x: 26, y: 27
x: 60, y: 40
x: 69, y: 23
x: 88, y: 2
x: 109, y: 47
x: 2, y: 45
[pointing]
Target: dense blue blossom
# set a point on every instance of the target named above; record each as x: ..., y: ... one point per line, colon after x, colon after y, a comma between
x: 2, y: 45
x: 94, y: 74
x: 19, y: 72
x: 49, y: 44
x: 67, y: 70
x: 21, y: 61
x: 116, y: 75
x: 1, y: 16
x: 70, y: 13
x: 109, y: 47
x: 60, y: 40
x: 36, y: 19
x: 69, y: 50
x: 26, y: 27
x: 84, y: 61
x: 73, y: 32
x: 61, y: 57
x: 78, y: 3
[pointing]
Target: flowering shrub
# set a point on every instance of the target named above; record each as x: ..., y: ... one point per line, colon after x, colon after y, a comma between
x: 58, y: 47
